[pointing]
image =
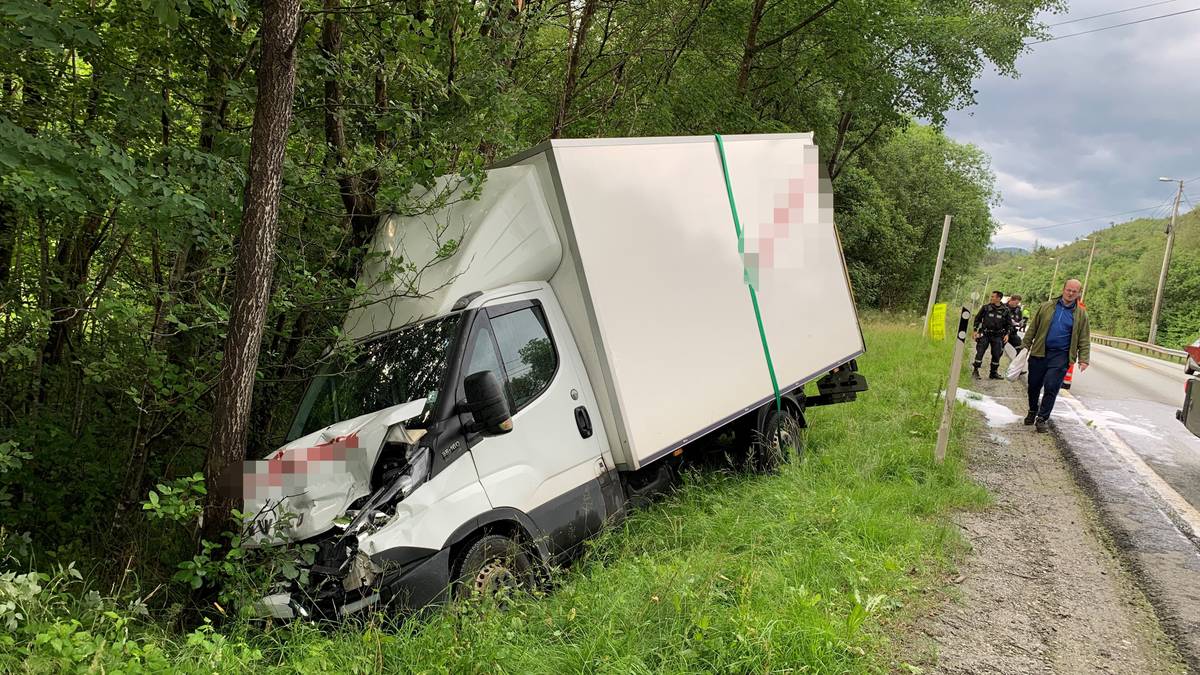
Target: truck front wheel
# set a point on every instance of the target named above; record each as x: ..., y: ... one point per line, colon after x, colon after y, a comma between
x: 494, y: 566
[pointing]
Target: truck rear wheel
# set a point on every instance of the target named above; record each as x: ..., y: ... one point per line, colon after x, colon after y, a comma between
x: 495, y: 566
x: 780, y: 438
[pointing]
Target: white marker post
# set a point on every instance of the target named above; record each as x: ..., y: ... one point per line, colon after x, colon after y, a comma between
x: 964, y: 318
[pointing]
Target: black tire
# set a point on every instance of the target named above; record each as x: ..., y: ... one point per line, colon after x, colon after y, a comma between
x: 495, y: 566
x: 780, y: 438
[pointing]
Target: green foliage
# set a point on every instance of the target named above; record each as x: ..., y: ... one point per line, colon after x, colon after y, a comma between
x: 239, y: 569
x: 1124, y: 276
x: 10, y: 459
x: 178, y: 501
x: 891, y: 209
x: 55, y: 623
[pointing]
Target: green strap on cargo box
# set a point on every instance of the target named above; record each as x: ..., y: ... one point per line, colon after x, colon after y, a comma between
x: 737, y: 226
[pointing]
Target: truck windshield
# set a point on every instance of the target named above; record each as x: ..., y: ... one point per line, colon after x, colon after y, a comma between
x: 386, y: 371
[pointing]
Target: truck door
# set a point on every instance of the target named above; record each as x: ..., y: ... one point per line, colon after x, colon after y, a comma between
x: 550, y: 466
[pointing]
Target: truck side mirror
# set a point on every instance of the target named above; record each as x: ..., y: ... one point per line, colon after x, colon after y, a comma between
x: 487, y: 403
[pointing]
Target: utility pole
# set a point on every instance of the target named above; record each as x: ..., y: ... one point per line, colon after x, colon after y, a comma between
x: 1088, y: 273
x: 1054, y: 281
x: 937, y: 273
x: 1162, y: 276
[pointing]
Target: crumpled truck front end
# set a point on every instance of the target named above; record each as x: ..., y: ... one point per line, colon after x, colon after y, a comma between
x: 336, y: 501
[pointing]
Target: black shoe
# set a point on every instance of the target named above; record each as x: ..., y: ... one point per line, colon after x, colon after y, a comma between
x: 1030, y: 417
x: 975, y: 374
x: 994, y: 376
x: 1041, y: 425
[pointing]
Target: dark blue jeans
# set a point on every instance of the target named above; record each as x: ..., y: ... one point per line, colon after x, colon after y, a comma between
x: 1045, y: 379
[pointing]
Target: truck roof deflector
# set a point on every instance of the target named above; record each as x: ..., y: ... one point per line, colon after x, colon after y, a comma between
x: 737, y: 226
x: 465, y: 300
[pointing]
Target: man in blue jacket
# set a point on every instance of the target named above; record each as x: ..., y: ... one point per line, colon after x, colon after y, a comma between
x: 1058, y: 336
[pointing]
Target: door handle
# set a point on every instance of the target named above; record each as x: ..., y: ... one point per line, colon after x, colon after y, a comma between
x: 583, y: 421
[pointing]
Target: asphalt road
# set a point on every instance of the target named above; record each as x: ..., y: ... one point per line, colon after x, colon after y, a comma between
x: 1136, y: 397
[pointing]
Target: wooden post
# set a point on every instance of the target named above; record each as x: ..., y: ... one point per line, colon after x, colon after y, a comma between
x: 960, y: 345
x: 937, y: 272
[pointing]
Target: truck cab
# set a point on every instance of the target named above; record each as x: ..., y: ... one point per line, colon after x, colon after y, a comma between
x: 440, y: 477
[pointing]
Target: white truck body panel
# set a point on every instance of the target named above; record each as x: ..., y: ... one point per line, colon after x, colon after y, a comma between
x: 659, y: 252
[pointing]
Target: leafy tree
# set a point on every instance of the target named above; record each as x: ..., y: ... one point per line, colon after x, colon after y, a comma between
x: 923, y: 176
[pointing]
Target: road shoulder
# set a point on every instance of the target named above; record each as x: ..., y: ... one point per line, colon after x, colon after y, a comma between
x: 1042, y: 590
x: 1147, y: 526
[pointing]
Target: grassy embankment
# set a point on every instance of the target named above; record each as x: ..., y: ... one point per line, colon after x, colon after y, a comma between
x: 814, y: 569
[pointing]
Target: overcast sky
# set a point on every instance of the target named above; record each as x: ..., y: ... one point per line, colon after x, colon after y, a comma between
x: 1092, y: 122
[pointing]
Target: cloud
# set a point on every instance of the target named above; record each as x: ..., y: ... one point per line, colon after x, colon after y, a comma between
x: 1091, y: 124
x: 1024, y: 232
x: 1011, y: 185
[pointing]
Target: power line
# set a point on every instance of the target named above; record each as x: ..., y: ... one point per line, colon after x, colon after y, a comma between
x: 1162, y: 211
x: 1119, y: 11
x: 1085, y: 220
x: 1119, y: 25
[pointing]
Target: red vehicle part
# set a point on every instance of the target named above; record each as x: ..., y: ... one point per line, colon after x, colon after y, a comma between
x: 1193, y: 352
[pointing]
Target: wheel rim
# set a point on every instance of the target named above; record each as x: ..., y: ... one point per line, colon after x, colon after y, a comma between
x: 494, y: 578
x: 781, y: 440
x: 786, y: 436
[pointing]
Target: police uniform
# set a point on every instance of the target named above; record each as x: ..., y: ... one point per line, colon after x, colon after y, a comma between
x: 1017, y: 317
x: 993, y: 323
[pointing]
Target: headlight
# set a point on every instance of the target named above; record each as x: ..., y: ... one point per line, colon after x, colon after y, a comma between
x: 399, y: 484
x: 418, y: 469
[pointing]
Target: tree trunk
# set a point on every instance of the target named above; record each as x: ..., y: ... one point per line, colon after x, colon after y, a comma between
x: 573, y: 58
x: 358, y: 190
x: 256, y: 257
x: 71, y: 264
x: 843, y: 128
x: 751, y: 48
x: 8, y: 237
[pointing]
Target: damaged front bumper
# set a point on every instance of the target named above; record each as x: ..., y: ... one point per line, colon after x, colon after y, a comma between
x: 398, y: 588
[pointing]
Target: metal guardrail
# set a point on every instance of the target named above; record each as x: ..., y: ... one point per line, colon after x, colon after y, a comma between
x: 1176, y: 355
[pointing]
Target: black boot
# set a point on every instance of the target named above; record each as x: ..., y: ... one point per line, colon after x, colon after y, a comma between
x: 975, y: 373
x: 994, y: 375
x: 1041, y: 425
x: 1030, y: 417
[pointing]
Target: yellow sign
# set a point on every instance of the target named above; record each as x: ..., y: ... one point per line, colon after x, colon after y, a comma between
x: 937, y: 322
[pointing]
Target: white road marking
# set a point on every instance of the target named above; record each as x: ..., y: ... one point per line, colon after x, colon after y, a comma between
x: 1185, y: 512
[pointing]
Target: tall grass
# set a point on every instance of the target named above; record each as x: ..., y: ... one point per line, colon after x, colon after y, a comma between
x: 804, y: 571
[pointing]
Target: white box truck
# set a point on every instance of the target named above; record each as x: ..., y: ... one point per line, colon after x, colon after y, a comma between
x: 548, y: 348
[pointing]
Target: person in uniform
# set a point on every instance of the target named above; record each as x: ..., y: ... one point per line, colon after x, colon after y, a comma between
x: 1017, y: 319
x: 992, y: 325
